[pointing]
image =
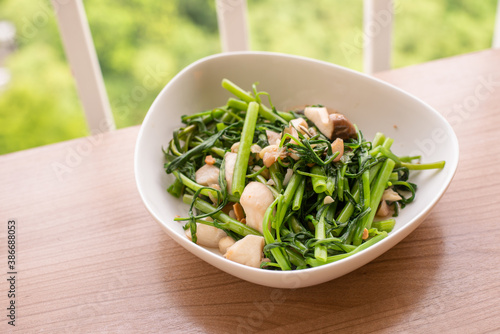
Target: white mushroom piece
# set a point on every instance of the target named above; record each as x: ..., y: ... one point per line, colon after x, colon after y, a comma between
x: 297, y: 124
x: 255, y: 200
x: 332, y: 125
x: 225, y: 243
x: 383, y: 210
x: 230, y: 161
x: 207, y: 175
x: 320, y: 117
x: 206, y: 235
x: 247, y: 251
x: 390, y: 196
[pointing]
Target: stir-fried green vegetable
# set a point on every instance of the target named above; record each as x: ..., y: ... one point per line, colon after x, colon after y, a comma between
x: 330, y: 192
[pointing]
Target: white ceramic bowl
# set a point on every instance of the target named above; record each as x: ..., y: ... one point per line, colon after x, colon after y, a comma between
x: 372, y: 104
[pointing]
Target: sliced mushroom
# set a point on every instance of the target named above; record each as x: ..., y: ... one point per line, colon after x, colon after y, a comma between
x: 230, y: 161
x: 297, y: 124
x: 208, y: 236
x: 247, y: 251
x: 207, y: 174
x: 312, y: 131
x: 342, y: 127
x: 383, y: 209
x: 320, y: 117
x: 390, y: 195
x: 300, y: 124
x: 225, y: 243
x: 255, y: 200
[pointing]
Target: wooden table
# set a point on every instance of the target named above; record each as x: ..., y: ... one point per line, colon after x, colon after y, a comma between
x: 90, y: 258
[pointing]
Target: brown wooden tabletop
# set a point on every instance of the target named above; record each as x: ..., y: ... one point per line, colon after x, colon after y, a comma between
x: 90, y: 259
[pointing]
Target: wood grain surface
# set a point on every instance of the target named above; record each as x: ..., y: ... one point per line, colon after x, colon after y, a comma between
x: 92, y: 260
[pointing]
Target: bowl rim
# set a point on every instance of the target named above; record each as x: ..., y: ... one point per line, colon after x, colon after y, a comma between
x: 377, y: 248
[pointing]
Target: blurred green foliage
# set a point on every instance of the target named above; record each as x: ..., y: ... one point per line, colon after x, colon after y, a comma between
x: 139, y: 39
